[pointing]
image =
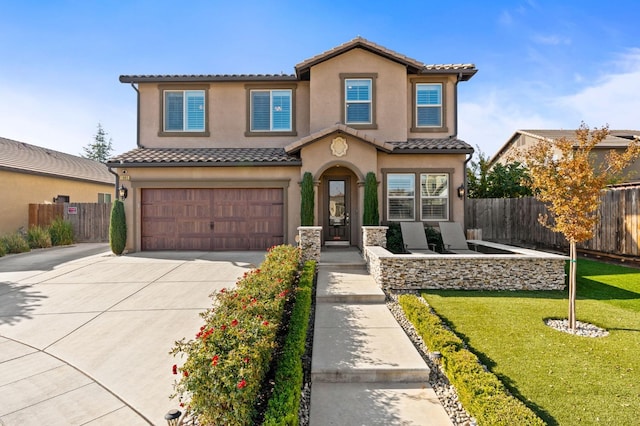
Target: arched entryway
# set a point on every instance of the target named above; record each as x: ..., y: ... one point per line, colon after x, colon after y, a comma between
x: 339, y: 206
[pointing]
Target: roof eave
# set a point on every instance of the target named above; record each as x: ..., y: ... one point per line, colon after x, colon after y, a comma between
x: 119, y: 164
x: 203, y: 78
x: 434, y: 151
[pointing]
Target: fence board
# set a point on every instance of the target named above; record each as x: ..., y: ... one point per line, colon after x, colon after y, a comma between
x: 90, y: 221
x: 515, y: 221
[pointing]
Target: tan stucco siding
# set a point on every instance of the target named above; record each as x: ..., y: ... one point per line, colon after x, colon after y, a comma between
x: 21, y: 189
x: 390, y: 93
x: 227, y: 112
x: 287, y: 178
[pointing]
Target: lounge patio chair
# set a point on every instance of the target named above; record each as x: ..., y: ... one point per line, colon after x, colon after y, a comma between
x: 454, y: 239
x: 414, y: 238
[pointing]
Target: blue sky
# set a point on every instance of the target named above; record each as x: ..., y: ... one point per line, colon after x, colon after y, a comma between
x: 542, y: 63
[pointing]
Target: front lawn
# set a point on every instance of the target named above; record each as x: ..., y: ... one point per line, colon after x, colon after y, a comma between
x: 565, y: 379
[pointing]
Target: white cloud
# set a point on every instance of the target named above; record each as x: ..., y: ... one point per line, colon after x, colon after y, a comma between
x: 613, y: 99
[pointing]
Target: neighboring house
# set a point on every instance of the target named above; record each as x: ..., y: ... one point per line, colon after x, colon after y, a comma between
x: 34, y: 175
x: 523, y: 139
x: 220, y: 158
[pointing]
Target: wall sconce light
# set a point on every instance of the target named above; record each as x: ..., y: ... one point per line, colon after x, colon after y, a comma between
x: 461, y: 191
x: 173, y: 417
x: 123, y: 191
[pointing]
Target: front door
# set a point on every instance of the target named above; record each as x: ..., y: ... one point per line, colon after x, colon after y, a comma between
x: 337, y: 221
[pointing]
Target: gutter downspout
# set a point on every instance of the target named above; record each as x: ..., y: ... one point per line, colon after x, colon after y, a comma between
x: 137, y: 115
x: 455, y: 100
x: 117, y: 181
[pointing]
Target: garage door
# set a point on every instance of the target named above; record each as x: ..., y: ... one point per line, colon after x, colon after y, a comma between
x: 212, y: 219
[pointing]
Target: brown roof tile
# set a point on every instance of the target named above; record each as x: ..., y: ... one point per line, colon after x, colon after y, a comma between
x: 26, y: 158
x: 204, y: 157
x: 434, y: 145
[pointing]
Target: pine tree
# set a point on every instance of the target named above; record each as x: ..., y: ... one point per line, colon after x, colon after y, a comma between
x: 371, y: 215
x: 101, y: 149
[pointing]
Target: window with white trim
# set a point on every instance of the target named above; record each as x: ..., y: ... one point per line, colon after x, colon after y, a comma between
x: 434, y: 196
x: 104, y: 198
x: 271, y: 110
x: 401, y: 196
x: 358, y: 101
x: 184, y: 111
x: 428, y: 105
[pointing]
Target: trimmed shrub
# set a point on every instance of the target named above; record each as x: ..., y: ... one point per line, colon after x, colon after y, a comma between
x: 371, y: 216
x: 481, y: 393
x: 38, y: 237
x: 117, y: 228
x: 230, y: 356
x: 3, y: 251
x: 434, y: 237
x: 14, y: 243
x: 307, y: 203
x: 394, y: 239
x: 61, y: 232
x: 284, y: 404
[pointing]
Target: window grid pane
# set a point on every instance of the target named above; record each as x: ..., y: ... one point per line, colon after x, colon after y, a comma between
x: 429, y: 105
x: 400, y: 196
x: 260, y: 103
x: 434, y: 196
x: 184, y: 110
x: 174, y: 114
x: 358, y: 101
x: 271, y: 110
x: 195, y: 110
x: 281, y: 110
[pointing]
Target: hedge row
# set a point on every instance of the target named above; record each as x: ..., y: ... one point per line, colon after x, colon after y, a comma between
x: 284, y: 403
x: 482, y: 394
x: 59, y: 233
x: 230, y: 356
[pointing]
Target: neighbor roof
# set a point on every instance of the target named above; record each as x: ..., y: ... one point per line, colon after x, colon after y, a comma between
x: 465, y: 71
x: 25, y: 158
x: 615, y: 138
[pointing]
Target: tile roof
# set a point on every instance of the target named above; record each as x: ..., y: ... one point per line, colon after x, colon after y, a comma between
x: 432, y: 146
x: 165, y: 78
x: 337, y: 128
x: 414, y: 66
x: 205, y: 157
x: 616, y: 138
x: 26, y: 158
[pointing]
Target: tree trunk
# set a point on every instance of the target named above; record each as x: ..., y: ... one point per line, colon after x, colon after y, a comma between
x: 573, y: 266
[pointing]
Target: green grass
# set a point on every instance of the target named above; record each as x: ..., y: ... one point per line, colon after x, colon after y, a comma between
x: 565, y: 379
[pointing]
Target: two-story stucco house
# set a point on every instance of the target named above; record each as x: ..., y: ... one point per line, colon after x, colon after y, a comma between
x: 220, y: 158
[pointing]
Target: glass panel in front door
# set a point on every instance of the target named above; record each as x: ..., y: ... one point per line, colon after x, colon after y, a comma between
x: 338, y: 212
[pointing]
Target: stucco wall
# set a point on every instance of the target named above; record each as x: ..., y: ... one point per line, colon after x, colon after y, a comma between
x: 18, y: 190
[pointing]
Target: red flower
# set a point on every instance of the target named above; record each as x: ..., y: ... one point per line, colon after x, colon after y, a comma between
x: 234, y: 323
x: 175, y: 369
x: 214, y: 360
x: 185, y: 373
x: 223, y: 327
x: 265, y: 323
x: 224, y: 289
x: 246, y: 360
x: 242, y: 384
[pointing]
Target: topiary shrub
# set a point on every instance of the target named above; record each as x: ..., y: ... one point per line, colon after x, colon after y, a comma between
x: 371, y: 216
x: 117, y: 228
x: 38, y: 237
x: 61, y: 232
x: 14, y: 243
x: 307, y: 202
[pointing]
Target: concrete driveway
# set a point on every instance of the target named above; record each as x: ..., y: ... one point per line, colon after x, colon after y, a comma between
x: 87, y: 341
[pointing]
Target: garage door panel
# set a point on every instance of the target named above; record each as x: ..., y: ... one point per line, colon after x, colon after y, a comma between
x: 212, y: 219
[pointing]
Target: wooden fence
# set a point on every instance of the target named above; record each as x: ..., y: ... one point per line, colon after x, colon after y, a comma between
x: 515, y: 221
x: 90, y: 221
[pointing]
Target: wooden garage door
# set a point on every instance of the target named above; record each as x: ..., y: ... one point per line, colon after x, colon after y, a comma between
x: 212, y: 219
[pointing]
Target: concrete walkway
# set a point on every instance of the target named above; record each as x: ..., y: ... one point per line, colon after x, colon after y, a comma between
x: 365, y: 370
x: 87, y: 342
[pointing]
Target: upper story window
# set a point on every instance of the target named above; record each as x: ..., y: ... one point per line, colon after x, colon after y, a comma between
x: 429, y: 105
x: 359, y: 100
x: 184, y: 111
x: 271, y: 110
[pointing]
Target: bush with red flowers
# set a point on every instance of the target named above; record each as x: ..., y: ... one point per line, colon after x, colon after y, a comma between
x: 230, y: 355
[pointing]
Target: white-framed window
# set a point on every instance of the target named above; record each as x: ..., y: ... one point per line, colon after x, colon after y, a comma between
x: 434, y: 196
x: 358, y: 101
x: 184, y: 111
x: 428, y: 105
x: 104, y: 198
x: 271, y: 110
x: 401, y: 196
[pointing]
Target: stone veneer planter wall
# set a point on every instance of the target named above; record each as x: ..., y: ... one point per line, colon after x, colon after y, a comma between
x: 310, y: 242
x: 526, y: 270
